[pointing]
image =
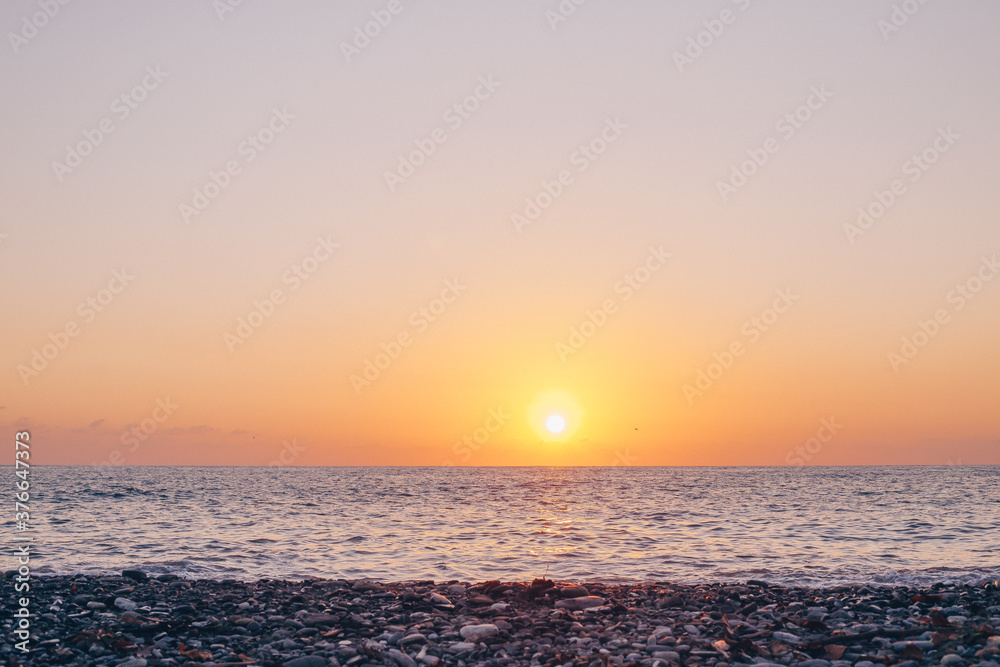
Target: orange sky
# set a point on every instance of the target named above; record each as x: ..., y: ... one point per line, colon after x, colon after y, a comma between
x: 778, y: 248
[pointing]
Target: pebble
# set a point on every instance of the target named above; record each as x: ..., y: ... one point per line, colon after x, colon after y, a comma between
x: 326, y: 623
x: 364, y: 585
x: 577, y: 604
x: 307, y: 661
x: 125, y: 604
x: 573, y: 591
x: 480, y: 600
x: 787, y: 637
x: 476, y: 633
x: 401, y: 659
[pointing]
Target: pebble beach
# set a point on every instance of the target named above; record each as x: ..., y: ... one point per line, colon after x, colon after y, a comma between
x: 140, y: 620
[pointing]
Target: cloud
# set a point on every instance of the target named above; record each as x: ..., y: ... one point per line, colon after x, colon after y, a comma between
x: 95, y: 424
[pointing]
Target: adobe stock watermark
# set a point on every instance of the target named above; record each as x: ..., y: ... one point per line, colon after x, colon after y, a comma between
x: 31, y: 24
x: 295, y: 276
x: 786, y: 127
x: 223, y: 7
x: 364, y: 34
x: 585, y: 155
x: 899, y: 17
x: 751, y: 332
x: 121, y: 108
x: 136, y: 434
x: 247, y: 151
x: 21, y: 578
x: 703, y: 40
x: 562, y: 12
x: 288, y: 454
x: 87, y: 310
x: 419, y: 321
x: 959, y: 297
x: 454, y: 117
x: 496, y: 418
x: 915, y: 167
x: 802, y: 454
x: 624, y: 458
x: 631, y: 282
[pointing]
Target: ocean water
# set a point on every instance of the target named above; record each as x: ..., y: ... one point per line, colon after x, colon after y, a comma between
x: 796, y: 526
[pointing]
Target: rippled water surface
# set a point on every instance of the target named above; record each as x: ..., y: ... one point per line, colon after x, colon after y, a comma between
x: 789, y: 525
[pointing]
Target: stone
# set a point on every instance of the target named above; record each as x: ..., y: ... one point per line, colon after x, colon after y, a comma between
x: 480, y: 600
x: 125, y: 604
x: 307, y: 661
x: 577, y: 604
x: 325, y: 620
x: 787, y: 637
x: 135, y: 575
x: 401, y: 658
x: 573, y: 591
x: 364, y: 585
x: 476, y: 633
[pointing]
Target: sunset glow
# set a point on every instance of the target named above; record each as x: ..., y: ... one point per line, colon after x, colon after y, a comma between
x: 483, y: 220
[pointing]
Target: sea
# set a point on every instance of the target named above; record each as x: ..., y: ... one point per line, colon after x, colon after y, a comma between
x: 805, y: 526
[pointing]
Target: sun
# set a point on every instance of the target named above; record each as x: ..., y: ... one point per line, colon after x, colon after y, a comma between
x: 555, y: 415
x: 556, y: 424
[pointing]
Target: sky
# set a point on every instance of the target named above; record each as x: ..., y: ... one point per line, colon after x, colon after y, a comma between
x: 397, y: 232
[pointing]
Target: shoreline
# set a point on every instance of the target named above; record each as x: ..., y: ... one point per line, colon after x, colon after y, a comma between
x: 137, y: 620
